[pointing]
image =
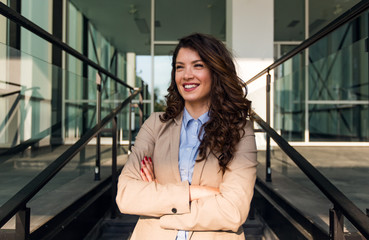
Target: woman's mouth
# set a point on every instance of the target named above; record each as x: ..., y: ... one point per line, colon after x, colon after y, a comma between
x: 189, y: 87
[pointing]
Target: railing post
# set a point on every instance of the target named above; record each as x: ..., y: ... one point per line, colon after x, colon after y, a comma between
x: 114, y: 166
x: 22, y: 224
x: 140, y: 106
x: 130, y: 127
x: 98, y: 136
x: 335, y: 224
x: 268, y: 168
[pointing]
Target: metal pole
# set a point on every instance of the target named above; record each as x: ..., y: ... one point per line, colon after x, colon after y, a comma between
x: 140, y: 106
x: 130, y: 127
x: 98, y: 136
x: 22, y: 224
x: 268, y: 168
x: 335, y: 224
x: 114, y: 167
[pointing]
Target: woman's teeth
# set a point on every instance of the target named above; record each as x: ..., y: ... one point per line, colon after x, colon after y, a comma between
x: 190, y: 86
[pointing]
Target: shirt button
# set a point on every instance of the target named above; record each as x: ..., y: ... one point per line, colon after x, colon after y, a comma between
x: 188, y: 149
x: 174, y: 210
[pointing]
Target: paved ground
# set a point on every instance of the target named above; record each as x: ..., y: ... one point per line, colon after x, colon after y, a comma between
x: 346, y: 167
x: 76, y: 178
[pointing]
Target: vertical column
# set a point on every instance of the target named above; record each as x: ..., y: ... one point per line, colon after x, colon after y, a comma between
x: 14, y: 29
x: 250, y: 36
x: 85, y: 75
x: 57, y: 75
x: 13, y: 73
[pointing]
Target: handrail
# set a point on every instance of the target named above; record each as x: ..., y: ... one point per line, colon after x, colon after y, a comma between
x: 20, y: 199
x: 343, y: 19
x: 24, y: 22
x: 349, y: 209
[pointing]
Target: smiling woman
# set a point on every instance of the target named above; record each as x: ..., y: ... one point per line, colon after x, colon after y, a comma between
x: 193, y: 79
x: 192, y: 170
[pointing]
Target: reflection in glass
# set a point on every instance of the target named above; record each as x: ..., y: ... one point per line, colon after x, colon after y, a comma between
x: 339, y: 122
x: 338, y: 68
x: 289, y: 94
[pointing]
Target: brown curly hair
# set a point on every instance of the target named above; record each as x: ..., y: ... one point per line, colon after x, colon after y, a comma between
x: 229, y: 109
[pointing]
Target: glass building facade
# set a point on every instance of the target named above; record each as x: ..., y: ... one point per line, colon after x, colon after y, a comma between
x: 319, y: 95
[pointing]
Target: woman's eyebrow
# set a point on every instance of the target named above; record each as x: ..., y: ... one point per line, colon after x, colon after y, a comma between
x: 194, y: 61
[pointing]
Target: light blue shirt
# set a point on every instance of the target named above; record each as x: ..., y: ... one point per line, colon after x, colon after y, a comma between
x: 188, y: 150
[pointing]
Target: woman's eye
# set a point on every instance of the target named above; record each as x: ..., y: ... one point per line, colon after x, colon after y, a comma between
x: 199, y: 65
x: 179, y: 67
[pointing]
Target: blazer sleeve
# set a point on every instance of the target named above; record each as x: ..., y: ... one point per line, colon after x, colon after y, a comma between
x: 228, y: 210
x: 135, y: 196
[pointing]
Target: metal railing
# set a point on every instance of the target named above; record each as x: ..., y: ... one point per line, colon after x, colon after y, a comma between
x: 342, y: 205
x: 340, y: 201
x: 17, y: 205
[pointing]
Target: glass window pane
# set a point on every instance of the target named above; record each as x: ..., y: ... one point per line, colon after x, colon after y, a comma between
x: 162, y: 74
x: 289, y: 99
x: 338, y: 67
x: 339, y: 122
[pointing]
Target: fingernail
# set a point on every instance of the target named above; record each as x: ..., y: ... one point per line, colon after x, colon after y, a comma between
x: 143, y: 162
x: 150, y: 159
x: 142, y: 170
x: 145, y: 158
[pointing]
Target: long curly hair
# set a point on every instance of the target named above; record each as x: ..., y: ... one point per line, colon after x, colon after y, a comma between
x: 229, y: 109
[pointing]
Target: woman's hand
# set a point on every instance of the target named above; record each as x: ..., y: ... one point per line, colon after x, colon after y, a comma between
x: 147, y: 170
x: 197, y: 192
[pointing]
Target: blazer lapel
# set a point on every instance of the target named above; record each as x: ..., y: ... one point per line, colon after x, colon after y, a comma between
x: 198, y: 169
x: 175, y: 133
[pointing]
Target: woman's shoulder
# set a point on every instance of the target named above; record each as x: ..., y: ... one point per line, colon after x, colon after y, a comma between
x: 153, y: 119
x: 155, y: 123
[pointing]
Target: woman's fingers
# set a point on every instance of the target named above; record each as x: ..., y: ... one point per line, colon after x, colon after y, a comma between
x: 149, y: 165
x: 143, y: 175
x: 147, y: 170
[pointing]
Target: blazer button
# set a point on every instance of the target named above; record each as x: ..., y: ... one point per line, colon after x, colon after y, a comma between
x: 174, y: 210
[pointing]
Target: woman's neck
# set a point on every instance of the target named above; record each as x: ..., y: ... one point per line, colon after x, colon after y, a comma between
x: 196, y: 111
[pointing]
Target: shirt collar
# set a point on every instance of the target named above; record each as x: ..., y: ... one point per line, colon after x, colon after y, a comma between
x: 187, y: 117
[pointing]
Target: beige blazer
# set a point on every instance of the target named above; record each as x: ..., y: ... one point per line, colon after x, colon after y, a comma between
x: 164, y: 207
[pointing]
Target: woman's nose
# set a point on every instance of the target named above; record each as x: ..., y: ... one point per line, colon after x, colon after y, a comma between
x: 188, y: 74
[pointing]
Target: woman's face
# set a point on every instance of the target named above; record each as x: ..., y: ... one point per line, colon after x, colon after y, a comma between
x: 193, y: 78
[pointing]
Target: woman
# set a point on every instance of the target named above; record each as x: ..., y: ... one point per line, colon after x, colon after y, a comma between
x: 192, y: 169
